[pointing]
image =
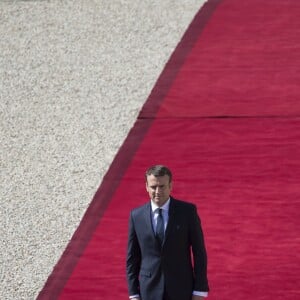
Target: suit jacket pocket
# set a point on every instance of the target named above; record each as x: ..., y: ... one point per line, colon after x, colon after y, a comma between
x: 144, y: 273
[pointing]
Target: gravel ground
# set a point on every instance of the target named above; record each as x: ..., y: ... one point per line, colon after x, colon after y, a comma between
x: 73, y: 77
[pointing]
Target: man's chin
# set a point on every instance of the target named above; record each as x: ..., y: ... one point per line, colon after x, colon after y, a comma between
x: 159, y: 201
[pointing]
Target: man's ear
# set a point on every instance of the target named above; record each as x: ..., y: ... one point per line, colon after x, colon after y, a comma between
x: 146, y: 185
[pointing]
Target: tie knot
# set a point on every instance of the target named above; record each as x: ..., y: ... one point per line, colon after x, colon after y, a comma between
x: 159, y: 211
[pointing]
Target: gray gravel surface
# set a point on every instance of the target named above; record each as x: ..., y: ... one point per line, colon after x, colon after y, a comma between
x: 73, y: 77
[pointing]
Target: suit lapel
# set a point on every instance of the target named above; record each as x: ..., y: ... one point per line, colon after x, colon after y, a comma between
x: 171, y: 221
x: 148, y: 219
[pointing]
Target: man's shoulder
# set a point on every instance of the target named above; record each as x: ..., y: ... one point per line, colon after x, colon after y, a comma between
x: 140, y: 208
x: 182, y: 204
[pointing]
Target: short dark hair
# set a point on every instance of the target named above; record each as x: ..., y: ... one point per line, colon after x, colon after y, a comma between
x: 158, y: 170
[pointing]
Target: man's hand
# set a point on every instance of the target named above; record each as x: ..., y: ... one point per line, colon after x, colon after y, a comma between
x: 194, y: 297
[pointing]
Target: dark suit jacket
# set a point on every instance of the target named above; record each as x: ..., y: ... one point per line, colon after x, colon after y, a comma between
x: 151, y: 268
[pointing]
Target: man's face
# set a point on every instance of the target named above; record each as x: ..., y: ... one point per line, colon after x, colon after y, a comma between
x: 159, y: 189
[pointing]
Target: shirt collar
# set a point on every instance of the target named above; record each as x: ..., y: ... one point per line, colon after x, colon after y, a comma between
x: 165, y: 207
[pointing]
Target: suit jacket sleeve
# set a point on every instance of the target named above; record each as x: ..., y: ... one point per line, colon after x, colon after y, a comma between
x: 199, y: 253
x: 133, y: 261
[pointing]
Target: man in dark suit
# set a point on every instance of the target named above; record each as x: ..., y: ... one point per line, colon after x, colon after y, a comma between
x: 160, y: 264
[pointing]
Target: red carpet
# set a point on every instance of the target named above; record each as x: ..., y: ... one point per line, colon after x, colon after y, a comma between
x: 224, y: 116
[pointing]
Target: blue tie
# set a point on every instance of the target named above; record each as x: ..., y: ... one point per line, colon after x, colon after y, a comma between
x: 160, y: 228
